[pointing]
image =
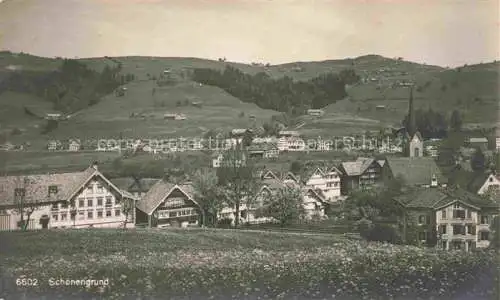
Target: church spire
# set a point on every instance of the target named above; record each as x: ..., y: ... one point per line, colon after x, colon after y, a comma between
x: 411, y: 126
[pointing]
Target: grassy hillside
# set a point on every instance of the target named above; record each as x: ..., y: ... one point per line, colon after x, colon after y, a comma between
x: 471, y: 89
x: 111, y: 116
x: 232, y: 264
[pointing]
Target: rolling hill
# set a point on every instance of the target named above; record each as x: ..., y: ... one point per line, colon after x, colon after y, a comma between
x: 471, y: 89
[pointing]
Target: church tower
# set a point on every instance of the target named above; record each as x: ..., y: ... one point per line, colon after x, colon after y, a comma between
x: 414, y: 143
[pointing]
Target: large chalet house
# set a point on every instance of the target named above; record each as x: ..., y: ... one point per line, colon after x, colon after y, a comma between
x: 168, y: 204
x: 360, y: 174
x: 325, y: 181
x: 454, y: 218
x: 78, y: 199
x: 314, y: 199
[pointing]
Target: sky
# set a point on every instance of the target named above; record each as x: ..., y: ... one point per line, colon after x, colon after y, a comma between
x: 438, y: 32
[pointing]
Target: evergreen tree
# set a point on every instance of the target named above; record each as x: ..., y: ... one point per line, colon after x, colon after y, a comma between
x: 456, y: 121
x: 478, y: 160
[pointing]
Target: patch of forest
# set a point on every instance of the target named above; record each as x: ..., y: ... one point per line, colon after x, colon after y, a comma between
x: 280, y: 94
x: 73, y: 86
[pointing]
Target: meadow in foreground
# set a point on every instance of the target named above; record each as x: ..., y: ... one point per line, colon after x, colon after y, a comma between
x: 229, y: 264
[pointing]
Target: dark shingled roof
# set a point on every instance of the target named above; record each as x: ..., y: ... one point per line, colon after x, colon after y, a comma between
x: 123, y: 183
x: 438, y: 197
x: 415, y: 170
x: 478, y: 179
x: 132, y: 185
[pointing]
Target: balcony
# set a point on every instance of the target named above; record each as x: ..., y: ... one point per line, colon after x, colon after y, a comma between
x: 483, y: 227
x: 463, y: 237
x: 456, y: 220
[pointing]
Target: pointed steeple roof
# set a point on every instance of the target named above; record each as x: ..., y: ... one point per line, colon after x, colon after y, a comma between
x: 412, y: 124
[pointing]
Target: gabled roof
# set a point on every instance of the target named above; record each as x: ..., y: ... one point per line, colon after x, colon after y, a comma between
x: 358, y: 167
x: 417, y: 134
x: 333, y: 169
x: 415, y: 170
x: 37, y: 186
x: 318, y: 171
x: 273, y: 183
x: 161, y: 190
x: 318, y: 194
x: 477, y: 181
x: 290, y: 176
x: 269, y: 175
x: 436, y: 198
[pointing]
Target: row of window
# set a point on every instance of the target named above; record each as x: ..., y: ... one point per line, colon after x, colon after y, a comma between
x: 89, y: 215
x: 483, y: 235
x: 458, y: 229
x: 177, y: 213
x: 99, y: 188
x: 457, y: 214
x: 100, y: 201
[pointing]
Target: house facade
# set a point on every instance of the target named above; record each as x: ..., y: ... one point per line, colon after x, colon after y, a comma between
x: 290, y: 141
x: 486, y: 183
x: 74, y: 145
x: 360, y: 174
x: 78, y: 200
x: 314, y: 204
x: 414, y: 145
x: 168, y: 205
x: 263, y: 150
x: 327, y: 181
x: 450, y: 219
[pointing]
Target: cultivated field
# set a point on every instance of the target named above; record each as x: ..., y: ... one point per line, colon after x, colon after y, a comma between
x: 40, y: 162
x: 230, y: 264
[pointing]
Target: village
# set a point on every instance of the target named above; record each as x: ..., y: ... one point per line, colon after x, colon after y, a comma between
x: 461, y: 215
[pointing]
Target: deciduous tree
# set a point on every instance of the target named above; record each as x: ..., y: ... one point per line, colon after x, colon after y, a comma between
x: 236, y: 176
x: 208, y: 195
x: 284, y: 205
x: 26, y: 200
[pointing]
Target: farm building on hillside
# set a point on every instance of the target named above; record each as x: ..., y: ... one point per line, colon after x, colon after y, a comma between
x: 239, y: 132
x: 54, y: 145
x: 478, y: 142
x: 174, y: 116
x: 74, y: 145
x: 315, y: 112
x: 263, y: 150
